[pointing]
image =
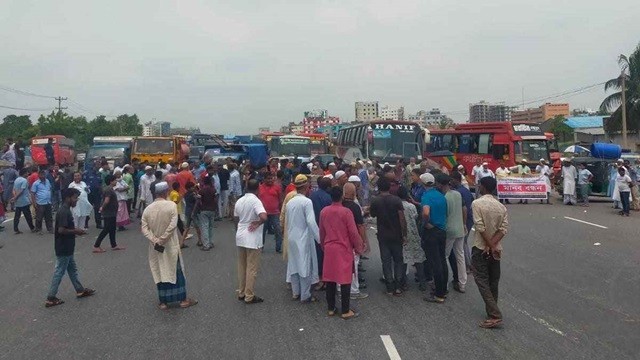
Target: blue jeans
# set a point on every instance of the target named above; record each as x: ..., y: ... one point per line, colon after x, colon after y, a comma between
x: 206, y: 226
x: 64, y: 264
x: 273, y: 222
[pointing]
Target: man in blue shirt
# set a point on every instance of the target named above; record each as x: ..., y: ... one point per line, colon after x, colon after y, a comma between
x: 320, y: 199
x: 41, y: 198
x: 22, y: 201
x: 467, y: 198
x: 434, y: 237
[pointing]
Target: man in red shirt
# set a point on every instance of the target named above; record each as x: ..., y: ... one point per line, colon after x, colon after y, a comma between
x: 33, y: 177
x: 183, y: 177
x: 270, y: 194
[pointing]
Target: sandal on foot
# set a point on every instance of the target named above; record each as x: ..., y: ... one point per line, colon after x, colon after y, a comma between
x: 162, y: 306
x: 53, y: 302
x: 310, y: 300
x: 86, y: 292
x: 255, y: 300
x: 295, y: 297
x: 332, y: 312
x: 98, y: 250
x: 349, y: 315
x: 188, y: 303
x: 118, y: 248
x: 491, y: 323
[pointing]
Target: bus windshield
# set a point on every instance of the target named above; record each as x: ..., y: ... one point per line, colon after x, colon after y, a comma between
x: 154, y: 146
x: 391, y: 143
x: 108, y: 153
x: 318, y: 147
x: 534, y: 150
x: 292, y: 146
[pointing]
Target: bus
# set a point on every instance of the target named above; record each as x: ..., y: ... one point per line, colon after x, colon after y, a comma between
x: 383, y: 140
x: 318, y: 143
x: 63, y: 150
x: 290, y: 146
x: 155, y: 149
x: 489, y: 142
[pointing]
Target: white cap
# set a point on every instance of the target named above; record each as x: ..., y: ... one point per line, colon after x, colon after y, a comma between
x: 328, y: 176
x: 485, y: 164
x: 543, y: 160
x: 161, y: 186
x: 427, y: 178
x: 146, y: 168
x: 460, y: 166
x: 184, y: 165
x: 620, y: 160
x: 332, y: 164
x: 354, y: 178
x: 340, y: 174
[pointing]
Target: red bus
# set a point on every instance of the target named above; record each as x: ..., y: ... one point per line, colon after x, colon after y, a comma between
x: 63, y: 150
x: 489, y: 142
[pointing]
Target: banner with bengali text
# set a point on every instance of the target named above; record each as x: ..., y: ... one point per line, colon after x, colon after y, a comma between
x: 522, y: 188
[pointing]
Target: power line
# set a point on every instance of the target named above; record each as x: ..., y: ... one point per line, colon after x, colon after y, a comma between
x: 16, y: 108
x: 26, y: 93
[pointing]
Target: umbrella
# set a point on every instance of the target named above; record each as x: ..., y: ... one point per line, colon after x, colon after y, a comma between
x: 576, y: 149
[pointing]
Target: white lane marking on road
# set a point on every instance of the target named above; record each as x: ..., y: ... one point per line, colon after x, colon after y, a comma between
x: 391, y: 348
x: 586, y: 222
x: 543, y: 322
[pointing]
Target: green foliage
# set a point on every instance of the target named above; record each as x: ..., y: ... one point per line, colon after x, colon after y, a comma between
x: 77, y: 128
x: 561, y: 131
x: 630, y: 67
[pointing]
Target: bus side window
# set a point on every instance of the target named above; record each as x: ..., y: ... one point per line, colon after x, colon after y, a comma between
x: 499, y: 151
x: 467, y: 144
x: 483, y: 143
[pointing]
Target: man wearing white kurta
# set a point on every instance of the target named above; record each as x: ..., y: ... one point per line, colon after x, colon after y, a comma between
x: 302, y: 232
x: 159, y: 223
x: 569, y: 176
x: 144, y: 190
x: 249, y: 215
x: 544, y: 170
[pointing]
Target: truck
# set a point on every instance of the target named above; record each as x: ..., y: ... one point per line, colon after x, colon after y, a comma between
x: 63, y: 150
x: 155, y: 149
x: 115, y: 149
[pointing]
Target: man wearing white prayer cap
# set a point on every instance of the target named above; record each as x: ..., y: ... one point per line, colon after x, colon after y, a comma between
x: 341, y: 178
x: 159, y: 224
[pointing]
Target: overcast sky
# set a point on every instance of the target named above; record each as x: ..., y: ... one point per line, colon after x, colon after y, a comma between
x: 234, y: 66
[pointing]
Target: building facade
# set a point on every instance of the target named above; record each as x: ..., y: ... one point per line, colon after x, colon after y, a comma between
x: 366, y: 111
x: 388, y: 112
x: 486, y: 112
x: 148, y: 129
x: 542, y: 113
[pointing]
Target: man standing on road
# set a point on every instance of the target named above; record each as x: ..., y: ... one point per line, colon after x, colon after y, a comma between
x: 65, y: 242
x: 434, y: 237
x: 392, y: 234
x: 303, y: 233
x: 41, y: 198
x: 467, y: 198
x: 349, y: 201
x: 144, y: 192
x: 249, y: 216
x: 544, y: 170
x: 569, y: 176
x: 491, y: 225
x: 235, y: 186
x: 584, y: 178
x: 159, y: 223
x: 320, y: 199
x: 271, y: 196
x: 94, y: 182
x: 456, y: 229
x: 340, y: 239
x: 223, y: 200
x: 22, y: 202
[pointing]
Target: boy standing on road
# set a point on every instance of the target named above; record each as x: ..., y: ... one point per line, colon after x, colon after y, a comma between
x: 65, y: 242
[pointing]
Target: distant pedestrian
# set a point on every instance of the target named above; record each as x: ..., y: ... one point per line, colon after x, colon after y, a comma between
x: 49, y: 153
x: 350, y: 201
x: 491, y: 225
x: 65, y: 242
x: 208, y: 206
x: 584, y: 183
x: 624, y: 184
x: 271, y: 197
x: 159, y: 223
x: 544, y: 171
x: 434, y: 236
x: 41, y: 198
x: 249, y: 216
x: 22, y: 202
x: 302, y: 232
x: 340, y: 239
x: 144, y: 192
x: 83, y: 207
x: 569, y: 177
x: 320, y: 199
x: 412, y: 252
x: 109, y: 211
x: 456, y: 230
x: 122, y: 189
x: 192, y: 212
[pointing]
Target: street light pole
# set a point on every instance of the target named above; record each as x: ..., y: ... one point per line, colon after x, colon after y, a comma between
x: 624, y: 113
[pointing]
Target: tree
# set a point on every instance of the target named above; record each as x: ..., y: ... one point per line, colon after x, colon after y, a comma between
x: 14, y: 126
x: 630, y: 67
x: 561, y: 131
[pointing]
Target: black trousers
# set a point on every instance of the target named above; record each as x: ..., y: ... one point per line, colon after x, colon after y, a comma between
x: 180, y: 226
x: 434, y: 242
x: 392, y: 263
x: 345, y: 292
x: 109, y: 229
x: 95, y: 197
x: 487, y: 276
x: 26, y: 210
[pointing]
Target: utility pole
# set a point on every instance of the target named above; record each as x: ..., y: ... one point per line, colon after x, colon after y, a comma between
x: 624, y: 112
x: 60, y: 108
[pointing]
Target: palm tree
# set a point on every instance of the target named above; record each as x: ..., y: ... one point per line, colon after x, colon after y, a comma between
x: 630, y: 67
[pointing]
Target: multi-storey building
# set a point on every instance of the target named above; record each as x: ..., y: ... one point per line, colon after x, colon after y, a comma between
x: 486, y: 112
x: 366, y: 111
x: 542, y: 113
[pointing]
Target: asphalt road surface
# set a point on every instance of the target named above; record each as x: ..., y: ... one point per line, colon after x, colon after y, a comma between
x: 569, y: 290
